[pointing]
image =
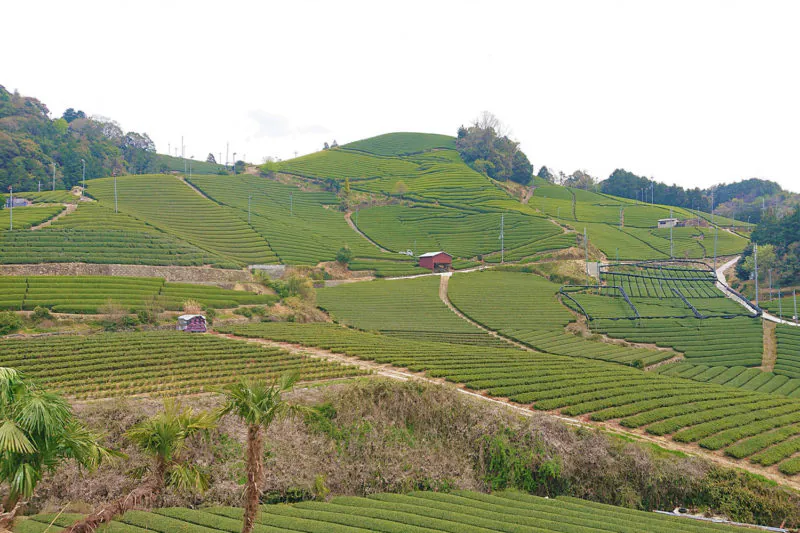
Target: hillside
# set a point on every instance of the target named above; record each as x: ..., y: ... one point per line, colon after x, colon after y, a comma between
x: 396, y: 192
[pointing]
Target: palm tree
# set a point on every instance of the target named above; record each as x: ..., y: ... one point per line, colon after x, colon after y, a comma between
x: 258, y: 404
x: 162, y: 438
x: 38, y: 432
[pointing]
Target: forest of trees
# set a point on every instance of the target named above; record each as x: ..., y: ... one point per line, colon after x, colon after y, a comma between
x: 30, y: 142
x: 783, y: 234
x: 486, y: 148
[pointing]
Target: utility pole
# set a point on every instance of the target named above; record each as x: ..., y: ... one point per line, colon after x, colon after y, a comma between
x: 502, y: 239
x: 83, y: 161
x: 190, y: 168
x: 234, y: 163
x: 40, y: 185
x: 54, y: 175
x: 11, y: 208
x: 755, y: 257
x: 780, y: 304
x: 115, y: 192
x: 357, y: 217
x: 794, y: 297
x: 652, y: 201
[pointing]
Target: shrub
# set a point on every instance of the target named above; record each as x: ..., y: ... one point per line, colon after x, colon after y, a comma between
x: 41, y: 313
x: 243, y: 311
x: 9, y: 322
x: 344, y: 255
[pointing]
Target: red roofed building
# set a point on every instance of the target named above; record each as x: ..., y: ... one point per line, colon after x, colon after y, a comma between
x: 436, y: 261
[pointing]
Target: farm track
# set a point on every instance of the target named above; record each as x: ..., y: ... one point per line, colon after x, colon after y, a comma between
x: 443, y: 284
x: 195, y: 189
x: 69, y: 208
x: 347, y: 217
x: 403, y: 374
x: 770, y: 346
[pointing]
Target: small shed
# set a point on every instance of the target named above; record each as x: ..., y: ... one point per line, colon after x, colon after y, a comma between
x: 436, y: 261
x: 17, y: 202
x: 192, y: 323
x: 667, y: 223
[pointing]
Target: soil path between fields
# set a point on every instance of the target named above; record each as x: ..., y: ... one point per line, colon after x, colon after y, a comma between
x: 444, y: 282
x: 347, y: 217
x: 403, y: 374
x: 70, y: 208
x: 195, y: 189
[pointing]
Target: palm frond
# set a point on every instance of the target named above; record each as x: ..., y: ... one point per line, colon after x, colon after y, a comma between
x: 188, y: 478
x: 24, y: 480
x: 43, y: 412
x: 13, y: 439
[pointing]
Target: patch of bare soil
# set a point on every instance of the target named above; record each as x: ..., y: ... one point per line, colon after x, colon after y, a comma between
x: 770, y: 346
x: 170, y: 273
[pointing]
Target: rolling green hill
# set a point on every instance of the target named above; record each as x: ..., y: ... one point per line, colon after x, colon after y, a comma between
x: 408, y: 191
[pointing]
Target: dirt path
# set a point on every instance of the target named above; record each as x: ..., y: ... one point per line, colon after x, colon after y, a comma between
x: 770, y: 346
x: 402, y: 374
x: 444, y: 281
x: 364, y: 235
x: 195, y: 189
x: 69, y: 209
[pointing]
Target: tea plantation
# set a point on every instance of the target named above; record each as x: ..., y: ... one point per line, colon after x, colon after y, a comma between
x: 154, y: 363
x: 710, y: 415
x: 416, y: 512
x: 88, y: 294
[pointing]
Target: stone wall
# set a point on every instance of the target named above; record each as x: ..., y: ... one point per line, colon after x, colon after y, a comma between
x: 170, y: 273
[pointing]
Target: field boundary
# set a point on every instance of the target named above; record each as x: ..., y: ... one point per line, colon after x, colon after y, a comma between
x: 68, y: 208
x: 349, y: 220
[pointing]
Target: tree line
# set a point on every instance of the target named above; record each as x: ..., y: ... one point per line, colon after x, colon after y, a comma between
x: 778, y: 239
x: 31, y: 142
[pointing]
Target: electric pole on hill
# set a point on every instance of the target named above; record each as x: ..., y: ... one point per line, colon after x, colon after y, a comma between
x: 115, y: 192
x: 794, y: 297
x: 83, y: 161
x: 11, y: 207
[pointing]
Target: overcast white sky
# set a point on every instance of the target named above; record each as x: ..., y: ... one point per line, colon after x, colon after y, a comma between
x: 688, y: 92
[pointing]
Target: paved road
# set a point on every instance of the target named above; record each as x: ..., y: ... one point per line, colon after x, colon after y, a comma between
x: 721, y: 280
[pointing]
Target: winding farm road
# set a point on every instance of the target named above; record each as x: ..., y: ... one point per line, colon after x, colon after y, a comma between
x: 722, y: 284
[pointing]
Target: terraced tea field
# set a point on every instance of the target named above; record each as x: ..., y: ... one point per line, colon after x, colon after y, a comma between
x: 48, y: 197
x: 416, y: 512
x: 460, y: 233
x: 736, y: 342
x: 88, y: 294
x: 171, y: 206
x: 25, y: 217
x: 393, y: 144
x: 405, y: 307
x: 153, y: 363
x: 524, y: 307
x: 713, y: 416
x: 788, y: 361
x: 737, y: 376
x: 297, y: 224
